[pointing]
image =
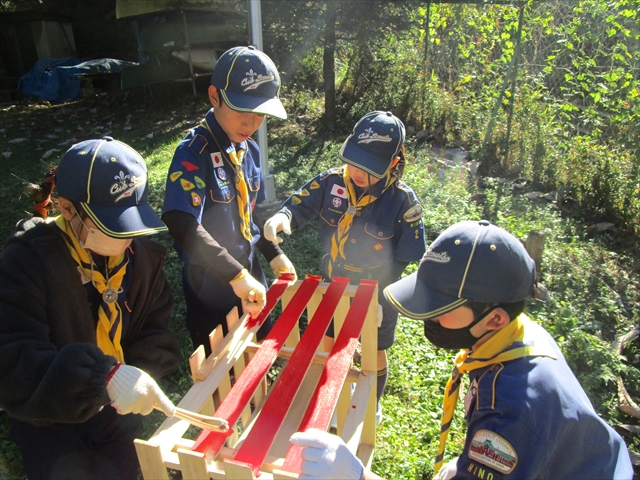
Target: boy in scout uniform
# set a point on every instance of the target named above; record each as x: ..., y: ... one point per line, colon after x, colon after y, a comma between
x: 213, y: 185
x: 527, y: 415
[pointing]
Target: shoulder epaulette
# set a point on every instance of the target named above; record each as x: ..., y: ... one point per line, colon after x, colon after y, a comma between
x: 198, y: 143
x: 331, y: 171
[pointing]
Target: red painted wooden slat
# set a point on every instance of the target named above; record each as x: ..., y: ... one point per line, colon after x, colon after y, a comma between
x: 325, y: 397
x: 230, y: 409
x: 257, y: 444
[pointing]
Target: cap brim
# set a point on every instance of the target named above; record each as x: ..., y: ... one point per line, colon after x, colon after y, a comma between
x: 414, y: 299
x: 252, y: 104
x: 125, y: 222
x: 364, y: 160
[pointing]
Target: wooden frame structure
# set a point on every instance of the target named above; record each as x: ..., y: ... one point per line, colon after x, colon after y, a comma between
x: 310, y: 387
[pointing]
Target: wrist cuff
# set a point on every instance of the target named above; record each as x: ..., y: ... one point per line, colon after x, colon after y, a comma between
x: 113, y: 372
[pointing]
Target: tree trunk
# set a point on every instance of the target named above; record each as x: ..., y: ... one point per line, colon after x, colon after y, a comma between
x: 329, y: 65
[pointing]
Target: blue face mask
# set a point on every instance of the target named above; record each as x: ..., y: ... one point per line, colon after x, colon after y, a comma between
x: 454, y: 338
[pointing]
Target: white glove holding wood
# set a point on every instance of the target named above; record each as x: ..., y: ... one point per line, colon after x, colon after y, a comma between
x: 281, y: 264
x: 278, y: 223
x: 132, y: 390
x: 250, y: 291
x: 326, y: 456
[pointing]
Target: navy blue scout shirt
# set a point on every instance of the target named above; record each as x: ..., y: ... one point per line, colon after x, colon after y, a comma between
x: 387, y: 230
x: 530, y: 418
x: 201, y: 182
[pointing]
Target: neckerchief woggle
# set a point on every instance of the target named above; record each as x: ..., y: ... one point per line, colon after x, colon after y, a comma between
x: 109, y: 326
x: 515, y: 340
x: 354, y: 205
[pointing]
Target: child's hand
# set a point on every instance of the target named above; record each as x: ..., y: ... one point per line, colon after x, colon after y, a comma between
x: 282, y: 264
x: 278, y: 223
x: 326, y: 456
x: 250, y: 291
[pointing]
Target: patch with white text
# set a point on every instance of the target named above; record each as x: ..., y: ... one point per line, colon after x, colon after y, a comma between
x: 494, y: 451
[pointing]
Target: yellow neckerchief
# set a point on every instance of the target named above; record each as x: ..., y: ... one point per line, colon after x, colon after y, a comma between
x: 514, y: 340
x: 236, y: 158
x: 109, y: 327
x: 341, y: 235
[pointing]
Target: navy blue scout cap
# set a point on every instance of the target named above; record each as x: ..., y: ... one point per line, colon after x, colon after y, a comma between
x: 375, y: 143
x: 469, y: 261
x: 248, y: 81
x: 109, y: 179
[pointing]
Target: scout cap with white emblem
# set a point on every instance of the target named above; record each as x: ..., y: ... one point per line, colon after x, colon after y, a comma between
x: 248, y: 81
x: 109, y: 179
x: 375, y: 143
x: 470, y: 261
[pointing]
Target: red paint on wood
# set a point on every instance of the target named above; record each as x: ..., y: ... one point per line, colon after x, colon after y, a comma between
x: 231, y: 408
x: 257, y: 444
x: 325, y: 397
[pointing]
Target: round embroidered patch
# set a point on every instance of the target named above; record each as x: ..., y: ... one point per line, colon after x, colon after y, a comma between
x: 494, y: 451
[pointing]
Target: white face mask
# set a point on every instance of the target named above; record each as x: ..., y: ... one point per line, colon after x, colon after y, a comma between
x: 100, y: 243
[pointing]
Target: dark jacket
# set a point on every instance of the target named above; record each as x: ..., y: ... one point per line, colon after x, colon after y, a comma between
x: 51, y: 369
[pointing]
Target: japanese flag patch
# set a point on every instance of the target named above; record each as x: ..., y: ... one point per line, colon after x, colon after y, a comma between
x: 216, y: 158
x: 339, y: 191
x: 492, y: 450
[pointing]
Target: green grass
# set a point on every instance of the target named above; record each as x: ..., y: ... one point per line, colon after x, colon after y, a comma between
x: 593, y: 278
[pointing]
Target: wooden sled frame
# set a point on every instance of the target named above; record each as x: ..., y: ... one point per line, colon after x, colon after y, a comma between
x: 311, y: 386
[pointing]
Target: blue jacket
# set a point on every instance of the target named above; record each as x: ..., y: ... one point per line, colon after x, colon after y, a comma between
x: 201, y: 182
x: 386, y: 231
x: 530, y: 418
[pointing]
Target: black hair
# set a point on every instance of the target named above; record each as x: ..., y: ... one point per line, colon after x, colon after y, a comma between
x: 513, y: 309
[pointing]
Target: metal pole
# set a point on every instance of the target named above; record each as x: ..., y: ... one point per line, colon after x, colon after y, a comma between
x: 426, y: 56
x: 186, y: 36
x: 255, y: 15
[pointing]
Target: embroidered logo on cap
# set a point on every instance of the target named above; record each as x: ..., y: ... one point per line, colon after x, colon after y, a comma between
x: 126, y: 185
x: 369, y: 136
x: 255, y: 79
x: 439, y: 257
x: 494, y: 451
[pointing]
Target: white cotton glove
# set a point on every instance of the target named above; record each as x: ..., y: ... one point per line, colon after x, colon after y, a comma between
x: 133, y: 391
x: 250, y: 291
x: 282, y: 264
x: 448, y: 470
x: 326, y: 457
x: 278, y: 223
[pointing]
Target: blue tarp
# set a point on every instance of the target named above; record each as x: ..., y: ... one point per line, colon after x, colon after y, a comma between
x: 55, y: 79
